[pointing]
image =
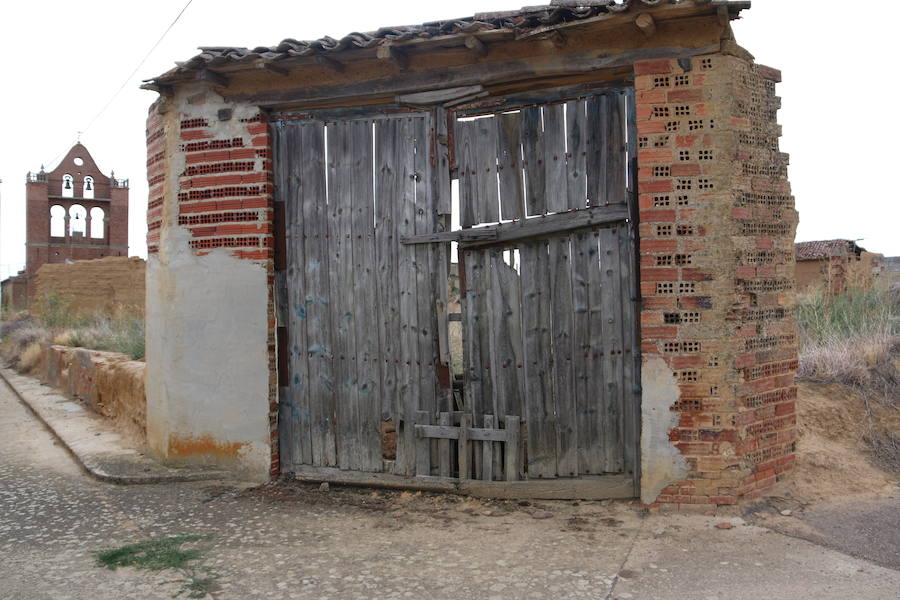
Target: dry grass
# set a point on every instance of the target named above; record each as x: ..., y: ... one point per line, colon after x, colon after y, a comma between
x: 854, y: 339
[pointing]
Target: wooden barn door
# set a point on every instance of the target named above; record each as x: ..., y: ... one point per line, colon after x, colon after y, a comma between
x: 549, y: 302
x: 358, y: 306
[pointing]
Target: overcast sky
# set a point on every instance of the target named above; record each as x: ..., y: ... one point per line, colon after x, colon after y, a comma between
x: 61, y: 61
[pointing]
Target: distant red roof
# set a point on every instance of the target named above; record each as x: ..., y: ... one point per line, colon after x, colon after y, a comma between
x: 825, y: 248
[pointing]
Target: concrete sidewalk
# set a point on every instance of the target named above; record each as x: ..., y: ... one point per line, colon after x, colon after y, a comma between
x: 93, y: 440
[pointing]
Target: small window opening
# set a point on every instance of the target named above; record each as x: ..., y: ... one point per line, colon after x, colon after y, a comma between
x: 57, y: 221
x: 98, y: 225
x: 77, y: 220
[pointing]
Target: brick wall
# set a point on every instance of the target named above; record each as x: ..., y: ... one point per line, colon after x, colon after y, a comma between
x: 222, y: 197
x: 716, y: 238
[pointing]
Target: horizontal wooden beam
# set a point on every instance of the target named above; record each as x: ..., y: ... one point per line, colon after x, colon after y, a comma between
x: 268, y: 66
x: 481, y: 73
x: 446, y: 432
x: 330, y: 63
x: 588, y: 488
x: 646, y: 24
x: 535, y: 227
x: 476, y: 46
x: 439, y: 96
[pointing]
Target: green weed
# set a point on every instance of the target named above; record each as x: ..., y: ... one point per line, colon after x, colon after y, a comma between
x: 160, y: 554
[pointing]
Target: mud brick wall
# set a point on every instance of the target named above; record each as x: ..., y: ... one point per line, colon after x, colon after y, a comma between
x: 209, y: 168
x: 106, y: 286
x: 716, y: 243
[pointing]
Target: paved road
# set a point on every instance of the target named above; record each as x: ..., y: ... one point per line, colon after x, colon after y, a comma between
x: 298, y: 542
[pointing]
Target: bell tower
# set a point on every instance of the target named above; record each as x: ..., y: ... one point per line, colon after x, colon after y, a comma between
x: 74, y: 212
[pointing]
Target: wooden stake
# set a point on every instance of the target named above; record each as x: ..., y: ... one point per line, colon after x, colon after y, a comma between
x: 394, y: 55
x: 476, y: 46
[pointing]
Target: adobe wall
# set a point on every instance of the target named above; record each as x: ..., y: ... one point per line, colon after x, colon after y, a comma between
x: 108, y: 382
x: 717, y: 280
x: 105, y: 285
x: 210, y: 326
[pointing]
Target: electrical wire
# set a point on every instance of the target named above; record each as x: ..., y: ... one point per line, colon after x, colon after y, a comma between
x: 124, y: 83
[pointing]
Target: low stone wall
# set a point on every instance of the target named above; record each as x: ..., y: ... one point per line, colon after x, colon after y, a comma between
x: 108, y: 382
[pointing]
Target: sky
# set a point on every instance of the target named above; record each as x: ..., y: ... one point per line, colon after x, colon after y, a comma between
x: 61, y: 63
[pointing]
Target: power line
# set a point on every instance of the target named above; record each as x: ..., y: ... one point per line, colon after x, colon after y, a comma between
x: 127, y: 80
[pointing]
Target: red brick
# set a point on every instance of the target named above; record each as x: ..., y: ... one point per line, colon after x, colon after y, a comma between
x: 662, y: 332
x: 695, y: 275
x: 659, y: 245
x: 769, y: 73
x: 658, y: 215
x: 648, y: 127
x: 651, y: 96
x: 652, y: 67
x: 651, y: 187
x: 682, y: 170
x: 663, y: 155
x: 658, y: 274
x: 688, y: 95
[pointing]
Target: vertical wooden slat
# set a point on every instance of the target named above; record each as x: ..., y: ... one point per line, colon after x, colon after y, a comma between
x: 539, y: 408
x: 591, y: 403
x: 444, y: 448
x: 512, y: 464
x: 562, y: 339
x: 287, y: 408
x: 615, y: 192
x: 440, y: 253
x: 597, y: 150
x: 507, y: 380
x: 477, y: 329
x: 533, y: 155
x: 555, y: 157
x: 319, y: 345
x: 509, y: 161
x: 365, y: 305
x: 408, y: 368
x: 576, y: 157
x: 611, y: 300
x: 487, y: 452
x: 425, y: 222
x: 488, y: 202
x: 440, y: 142
x: 466, y: 161
x: 423, y: 446
x: 389, y: 184
x: 463, y: 447
x: 630, y: 396
x: 340, y: 204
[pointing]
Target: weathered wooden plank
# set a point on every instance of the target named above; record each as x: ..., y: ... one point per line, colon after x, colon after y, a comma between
x: 631, y: 392
x: 463, y: 449
x: 389, y: 184
x: 547, y: 225
x: 292, y: 155
x: 423, y: 446
x: 595, y: 488
x: 408, y: 365
x: 442, y: 432
x: 444, y: 448
x: 465, y: 137
x: 562, y: 339
x: 509, y: 161
x: 438, y: 96
x: 318, y: 346
x: 365, y: 313
x: 505, y: 343
x: 576, y: 157
x: 533, y: 161
x: 596, y: 402
x: 611, y: 300
x: 476, y: 324
x: 487, y: 452
x: 480, y: 73
x: 425, y: 266
x: 597, y: 152
x: 487, y: 209
x: 615, y: 192
x: 512, y: 464
x: 555, y: 179
x: 340, y: 203
x: 539, y: 409
x: 441, y: 179
x: 589, y: 328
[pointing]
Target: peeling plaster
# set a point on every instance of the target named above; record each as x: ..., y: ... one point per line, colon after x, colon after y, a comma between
x: 661, y: 462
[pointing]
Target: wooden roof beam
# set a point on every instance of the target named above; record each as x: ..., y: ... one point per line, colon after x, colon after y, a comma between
x: 394, y: 55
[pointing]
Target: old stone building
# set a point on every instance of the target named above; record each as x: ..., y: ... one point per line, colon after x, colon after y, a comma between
x: 835, y: 265
x: 74, y: 212
x: 606, y: 176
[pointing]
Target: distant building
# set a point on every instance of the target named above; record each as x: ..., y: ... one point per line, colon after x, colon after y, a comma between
x: 74, y: 212
x: 834, y: 265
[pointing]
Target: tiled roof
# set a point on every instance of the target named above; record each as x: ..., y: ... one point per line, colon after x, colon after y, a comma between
x: 825, y: 248
x: 522, y: 20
